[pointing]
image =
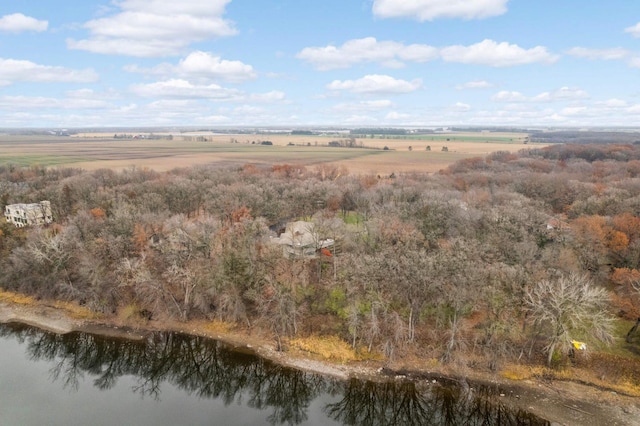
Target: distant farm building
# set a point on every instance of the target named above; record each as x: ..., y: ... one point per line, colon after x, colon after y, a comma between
x: 28, y: 214
x: 301, y: 240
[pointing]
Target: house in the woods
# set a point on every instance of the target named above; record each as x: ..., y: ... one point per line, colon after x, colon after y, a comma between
x: 557, y: 224
x: 300, y: 239
x: 557, y: 228
x: 28, y: 214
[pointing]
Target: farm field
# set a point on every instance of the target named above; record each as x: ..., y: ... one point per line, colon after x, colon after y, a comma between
x: 407, y: 154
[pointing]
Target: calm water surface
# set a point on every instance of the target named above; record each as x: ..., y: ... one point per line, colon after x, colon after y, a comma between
x: 174, y: 379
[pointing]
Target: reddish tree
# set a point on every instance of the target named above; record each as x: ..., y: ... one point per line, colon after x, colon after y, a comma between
x: 628, y: 224
x: 240, y: 214
x: 98, y: 213
x: 626, y: 295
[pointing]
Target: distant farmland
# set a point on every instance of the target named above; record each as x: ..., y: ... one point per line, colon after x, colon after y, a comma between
x: 405, y: 154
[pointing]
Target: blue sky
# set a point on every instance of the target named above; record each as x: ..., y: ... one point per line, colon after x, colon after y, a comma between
x: 95, y: 63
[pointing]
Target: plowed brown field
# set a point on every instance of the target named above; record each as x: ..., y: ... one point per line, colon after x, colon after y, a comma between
x: 94, y: 151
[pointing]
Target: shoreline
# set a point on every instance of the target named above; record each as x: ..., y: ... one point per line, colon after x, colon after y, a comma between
x: 560, y: 402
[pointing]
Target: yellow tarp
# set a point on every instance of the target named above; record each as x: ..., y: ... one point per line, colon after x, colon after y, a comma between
x: 581, y: 346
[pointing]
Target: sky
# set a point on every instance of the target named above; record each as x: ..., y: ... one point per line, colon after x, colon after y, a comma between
x: 297, y: 63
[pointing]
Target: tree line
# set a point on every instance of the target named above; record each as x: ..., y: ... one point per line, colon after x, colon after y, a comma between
x: 468, y: 263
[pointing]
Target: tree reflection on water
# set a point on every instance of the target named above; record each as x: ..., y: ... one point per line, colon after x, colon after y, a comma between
x: 206, y: 368
x: 410, y: 403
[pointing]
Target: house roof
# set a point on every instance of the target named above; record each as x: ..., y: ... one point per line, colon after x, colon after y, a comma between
x: 301, y: 234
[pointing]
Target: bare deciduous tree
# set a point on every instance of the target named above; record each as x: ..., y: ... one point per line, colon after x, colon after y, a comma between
x: 568, y: 308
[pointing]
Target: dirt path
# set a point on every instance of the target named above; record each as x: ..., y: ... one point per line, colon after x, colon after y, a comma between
x: 560, y: 402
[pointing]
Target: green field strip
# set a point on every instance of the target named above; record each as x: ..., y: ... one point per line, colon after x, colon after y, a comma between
x: 452, y: 138
x: 41, y: 160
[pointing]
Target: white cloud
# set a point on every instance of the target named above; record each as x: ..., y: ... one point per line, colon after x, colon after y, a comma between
x: 603, y: 54
x: 44, y: 103
x: 555, y: 117
x: 86, y: 93
x: 359, y: 119
x: 394, y: 54
x: 613, y: 112
x: 183, y: 89
x: 248, y: 110
x: 507, y: 96
x: 376, y: 84
x: 375, y: 105
x: 180, y: 105
x: 418, y: 53
x: 14, y: 70
x: 201, y: 66
x: 152, y: 28
x: 573, y: 110
x: 215, y: 119
x: 520, y: 117
x: 616, y: 53
x: 387, y: 53
x: 461, y: 107
x: 489, y: 52
x: 17, y: 23
x: 394, y: 115
x: 476, y: 84
x: 634, y: 30
x: 80, y: 93
x: 428, y: 10
x: 614, y: 103
x: 140, y: 48
x: 561, y: 94
x: 268, y: 97
x: 177, y: 88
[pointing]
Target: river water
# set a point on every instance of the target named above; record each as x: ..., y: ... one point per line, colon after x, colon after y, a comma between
x: 174, y: 379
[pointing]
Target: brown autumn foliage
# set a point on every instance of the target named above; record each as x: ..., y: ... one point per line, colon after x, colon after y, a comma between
x: 628, y: 224
x: 98, y: 213
x: 243, y: 213
x: 288, y: 170
x: 626, y: 297
x: 140, y: 237
x: 432, y: 264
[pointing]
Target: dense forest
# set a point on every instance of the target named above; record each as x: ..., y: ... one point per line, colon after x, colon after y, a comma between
x: 500, y: 257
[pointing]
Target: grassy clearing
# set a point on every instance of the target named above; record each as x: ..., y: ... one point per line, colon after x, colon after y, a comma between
x: 614, y: 367
x: 16, y: 298
x: 72, y: 310
x: 75, y: 311
x: 330, y: 348
x: 619, y: 346
x: 625, y: 384
x: 214, y: 326
x: 352, y: 218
